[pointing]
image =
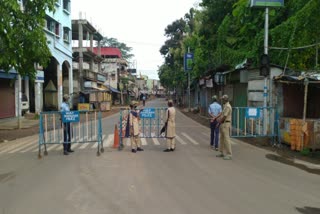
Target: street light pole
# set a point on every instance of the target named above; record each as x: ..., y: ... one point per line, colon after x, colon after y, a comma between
x: 189, y: 108
x: 19, y: 102
x: 265, y: 88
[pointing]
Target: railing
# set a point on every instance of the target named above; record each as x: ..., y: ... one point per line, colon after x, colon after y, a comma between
x: 150, y: 123
x: 249, y: 122
x: 85, y: 126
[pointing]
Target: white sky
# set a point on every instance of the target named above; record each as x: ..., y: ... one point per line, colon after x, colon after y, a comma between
x: 139, y: 24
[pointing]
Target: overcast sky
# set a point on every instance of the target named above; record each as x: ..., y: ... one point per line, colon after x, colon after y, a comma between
x: 139, y: 24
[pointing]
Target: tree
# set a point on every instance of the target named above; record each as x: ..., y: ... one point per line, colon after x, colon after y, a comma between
x: 112, y: 42
x: 22, y: 39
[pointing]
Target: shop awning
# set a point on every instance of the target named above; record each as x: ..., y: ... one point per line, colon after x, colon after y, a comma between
x: 113, y: 89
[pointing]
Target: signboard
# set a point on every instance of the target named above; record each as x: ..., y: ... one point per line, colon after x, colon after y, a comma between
x: 252, y: 113
x: 266, y: 3
x: 101, y: 78
x: 132, y: 70
x: 188, y: 61
x: 148, y: 113
x: 40, y: 76
x: 70, y: 116
x: 83, y: 106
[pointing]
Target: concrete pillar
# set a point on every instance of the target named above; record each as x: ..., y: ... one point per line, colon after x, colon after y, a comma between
x: 99, y: 54
x: 38, y: 89
x: 91, y: 48
x: 60, y: 85
x: 70, y: 81
x: 81, y: 82
x: 27, y: 91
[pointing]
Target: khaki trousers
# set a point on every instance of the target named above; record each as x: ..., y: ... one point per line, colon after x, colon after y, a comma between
x: 135, y: 142
x: 171, y: 143
x: 225, y: 144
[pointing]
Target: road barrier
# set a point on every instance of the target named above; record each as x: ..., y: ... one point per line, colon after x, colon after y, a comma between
x: 85, y: 127
x: 150, y: 123
x: 249, y: 122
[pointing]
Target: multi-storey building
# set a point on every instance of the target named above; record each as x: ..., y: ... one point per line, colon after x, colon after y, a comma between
x: 52, y: 81
x: 58, y: 75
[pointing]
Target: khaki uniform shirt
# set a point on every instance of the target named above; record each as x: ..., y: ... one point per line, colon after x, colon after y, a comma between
x: 227, y: 112
x: 134, y: 122
x: 171, y: 127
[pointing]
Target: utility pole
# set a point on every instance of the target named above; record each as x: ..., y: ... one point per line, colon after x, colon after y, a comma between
x: 19, y: 101
x: 265, y: 88
x: 189, y: 107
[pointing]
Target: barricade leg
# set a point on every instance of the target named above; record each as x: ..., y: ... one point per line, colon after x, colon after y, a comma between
x: 45, y: 150
x: 39, y: 151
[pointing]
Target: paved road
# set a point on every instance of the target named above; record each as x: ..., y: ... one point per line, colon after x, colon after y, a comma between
x: 189, y: 180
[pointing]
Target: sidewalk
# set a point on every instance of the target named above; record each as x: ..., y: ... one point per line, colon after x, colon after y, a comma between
x: 12, y: 123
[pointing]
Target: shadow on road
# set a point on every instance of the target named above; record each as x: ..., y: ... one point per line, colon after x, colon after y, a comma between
x: 290, y: 161
x: 308, y: 210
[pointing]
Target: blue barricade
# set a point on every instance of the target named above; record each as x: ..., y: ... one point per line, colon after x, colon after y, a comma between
x: 85, y: 127
x: 150, y: 123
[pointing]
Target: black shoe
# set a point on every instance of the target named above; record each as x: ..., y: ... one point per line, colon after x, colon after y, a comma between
x: 167, y: 150
x: 139, y: 149
x: 65, y: 153
x: 172, y: 149
x: 133, y: 151
x: 70, y: 151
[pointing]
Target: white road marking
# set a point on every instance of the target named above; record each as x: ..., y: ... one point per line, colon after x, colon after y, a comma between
x: 156, y: 141
x: 143, y: 141
x: 83, y: 145
x: 109, y: 140
x: 21, y: 147
x: 54, y: 147
x: 180, y: 140
x: 189, y: 138
x: 15, y: 146
x: 36, y: 145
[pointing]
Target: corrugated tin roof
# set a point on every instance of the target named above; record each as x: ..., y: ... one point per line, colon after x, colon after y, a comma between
x: 310, y: 77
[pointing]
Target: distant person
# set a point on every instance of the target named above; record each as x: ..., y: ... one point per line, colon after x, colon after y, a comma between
x: 144, y: 99
x: 66, y: 127
x: 134, y: 128
x: 171, y: 127
x: 214, y: 111
x: 225, y: 120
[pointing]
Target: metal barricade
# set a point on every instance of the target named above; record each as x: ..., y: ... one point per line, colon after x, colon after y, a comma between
x: 249, y: 122
x: 150, y: 123
x: 85, y: 126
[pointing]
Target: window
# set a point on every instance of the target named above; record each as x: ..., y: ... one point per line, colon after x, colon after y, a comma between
x: 66, y: 34
x: 66, y: 5
x: 52, y: 26
x: 57, y: 29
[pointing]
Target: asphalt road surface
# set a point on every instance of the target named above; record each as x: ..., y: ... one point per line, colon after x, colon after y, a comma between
x: 187, y: 181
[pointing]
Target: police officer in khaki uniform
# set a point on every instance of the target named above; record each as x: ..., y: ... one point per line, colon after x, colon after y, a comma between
x: 171, y: 127
x: 134, y: 128
x: 225, y: 121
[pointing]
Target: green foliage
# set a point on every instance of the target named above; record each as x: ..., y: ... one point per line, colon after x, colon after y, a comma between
x: 227, y: 32
x: 22, y: 39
